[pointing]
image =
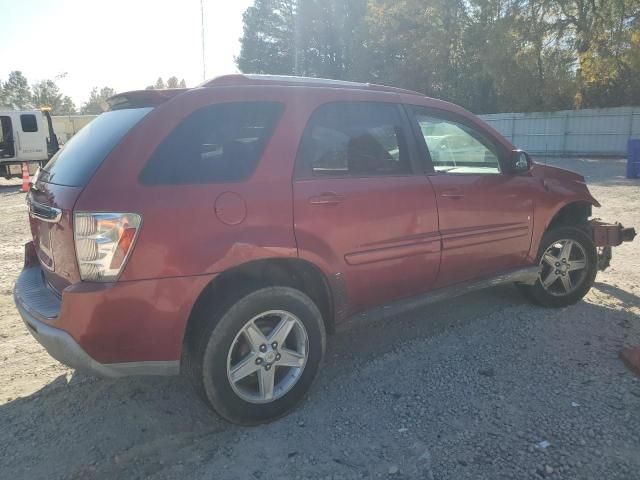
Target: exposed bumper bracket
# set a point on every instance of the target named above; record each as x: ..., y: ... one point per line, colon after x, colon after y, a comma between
x: 606, y: 236
x: 610, y: 234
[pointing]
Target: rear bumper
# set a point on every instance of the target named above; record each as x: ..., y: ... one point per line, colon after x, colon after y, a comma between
x: 110, y: 330
x: 61, y: 346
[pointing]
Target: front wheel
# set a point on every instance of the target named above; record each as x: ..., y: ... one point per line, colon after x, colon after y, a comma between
x: 568, y: 262
x: 260, y: 357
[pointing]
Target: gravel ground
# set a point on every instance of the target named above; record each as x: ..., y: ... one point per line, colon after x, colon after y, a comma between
x: 468, y: 389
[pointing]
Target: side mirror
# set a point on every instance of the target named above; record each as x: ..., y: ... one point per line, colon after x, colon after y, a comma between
x: 520, y: 162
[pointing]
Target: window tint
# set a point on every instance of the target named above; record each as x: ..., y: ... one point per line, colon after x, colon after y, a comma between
x: 456, y: 148
x: 358, y: 139
x: 78, y: 160
x: 29, y: 123
x: 219, y: 143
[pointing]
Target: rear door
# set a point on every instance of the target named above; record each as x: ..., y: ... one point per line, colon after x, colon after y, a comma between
x: 485, y: 215
x: 32, y: 137
x: 361, y: 210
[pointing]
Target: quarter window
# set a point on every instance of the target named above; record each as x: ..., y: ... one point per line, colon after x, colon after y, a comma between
x: 29, y: 123
x: 355, y: 139
x: 219, y: 143
x: 456, y: 148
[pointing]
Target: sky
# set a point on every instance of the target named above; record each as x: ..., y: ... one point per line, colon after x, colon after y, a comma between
x: 123, y: 44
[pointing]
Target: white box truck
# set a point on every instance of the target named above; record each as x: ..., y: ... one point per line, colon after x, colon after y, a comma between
x: 25, y: 136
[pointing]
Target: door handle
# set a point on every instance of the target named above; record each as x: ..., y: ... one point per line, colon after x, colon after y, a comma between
x: 453, y: 194
x: 327, y: 198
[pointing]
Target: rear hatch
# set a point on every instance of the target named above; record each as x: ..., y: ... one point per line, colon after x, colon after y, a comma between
x: 59, y: 185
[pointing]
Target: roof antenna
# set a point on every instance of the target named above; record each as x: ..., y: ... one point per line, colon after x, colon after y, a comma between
x: 546, y: 151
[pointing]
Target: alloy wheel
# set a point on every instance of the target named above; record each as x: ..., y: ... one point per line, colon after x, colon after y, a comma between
x: 267, y: 356
x: 563, y: 267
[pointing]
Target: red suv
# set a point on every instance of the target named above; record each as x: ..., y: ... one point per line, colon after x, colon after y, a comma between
x: 222, y: 230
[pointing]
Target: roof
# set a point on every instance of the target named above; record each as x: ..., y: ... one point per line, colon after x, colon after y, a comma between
x: 286, y: 80
x: 153, y: 98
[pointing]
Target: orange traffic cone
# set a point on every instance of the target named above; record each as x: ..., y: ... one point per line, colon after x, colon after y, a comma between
x: 25, y: 177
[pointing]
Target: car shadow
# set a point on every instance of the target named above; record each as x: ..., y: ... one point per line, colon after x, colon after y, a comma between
x: 627, y: 298
x: 112, y: 425
x: 10, y: 189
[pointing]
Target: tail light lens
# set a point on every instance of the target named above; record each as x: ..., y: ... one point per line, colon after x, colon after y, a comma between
x: 103, y: 243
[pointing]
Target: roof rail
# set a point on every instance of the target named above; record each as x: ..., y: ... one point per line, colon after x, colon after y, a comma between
x: 282, y: 80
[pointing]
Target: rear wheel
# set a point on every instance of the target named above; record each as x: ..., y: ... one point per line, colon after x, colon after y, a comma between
x: 568, y: 262
x: 259, y: 359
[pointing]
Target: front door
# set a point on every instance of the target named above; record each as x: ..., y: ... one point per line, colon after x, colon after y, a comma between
x: 361, y: 210
x: 7, y: 149
x: 485, y: 216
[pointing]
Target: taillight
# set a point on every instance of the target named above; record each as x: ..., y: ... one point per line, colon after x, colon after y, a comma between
x: 103, y: 243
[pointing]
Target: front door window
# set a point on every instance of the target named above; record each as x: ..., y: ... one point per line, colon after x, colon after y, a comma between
x: 455, y: 148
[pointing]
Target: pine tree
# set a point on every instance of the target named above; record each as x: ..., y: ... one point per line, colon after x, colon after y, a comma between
x: 16, y: 91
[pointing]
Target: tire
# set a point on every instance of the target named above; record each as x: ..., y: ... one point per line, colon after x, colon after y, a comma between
x: 558, y: 274
x: 230, y: 345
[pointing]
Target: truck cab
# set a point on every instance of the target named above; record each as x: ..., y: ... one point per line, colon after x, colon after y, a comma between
x: 25, y: 137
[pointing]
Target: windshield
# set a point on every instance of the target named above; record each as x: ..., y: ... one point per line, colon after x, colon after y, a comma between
x: 76, y: 163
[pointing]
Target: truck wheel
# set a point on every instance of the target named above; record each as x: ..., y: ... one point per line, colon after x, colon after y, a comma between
x: 568, y: 262
x: 259, y: 359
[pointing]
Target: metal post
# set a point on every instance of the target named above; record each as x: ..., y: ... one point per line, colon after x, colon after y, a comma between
x: 565, y: 134
x: 204, y: 65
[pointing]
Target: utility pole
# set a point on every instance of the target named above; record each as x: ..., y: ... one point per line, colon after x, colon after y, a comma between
x: 204, y: 65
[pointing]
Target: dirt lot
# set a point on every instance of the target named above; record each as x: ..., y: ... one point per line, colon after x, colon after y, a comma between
x: 466, y: 389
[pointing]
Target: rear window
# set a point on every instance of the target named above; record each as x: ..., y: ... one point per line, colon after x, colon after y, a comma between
x: 218, y: 143
x: 29, y: 123
x: 76, y: 163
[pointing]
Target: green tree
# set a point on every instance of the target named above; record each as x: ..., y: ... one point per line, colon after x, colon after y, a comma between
x: 488, y: 55
x: 172, y: 82
x: 47, y: 94
x: 602, y: 32
x: 269, y: 42
x: 183, y: 84
x: 16, y: 91
x: 159, y: 84
x: 67, y: 107
x: 97, y: 101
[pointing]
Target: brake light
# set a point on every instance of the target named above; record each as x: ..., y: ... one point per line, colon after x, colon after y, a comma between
x: 103, y: 243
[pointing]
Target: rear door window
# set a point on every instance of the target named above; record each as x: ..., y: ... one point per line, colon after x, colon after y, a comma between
x: 76, y: 163
x: 356, y: 139
x: 29, y: 123
x: 218, y: 143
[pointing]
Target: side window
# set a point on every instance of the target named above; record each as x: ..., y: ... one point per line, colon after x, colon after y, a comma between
x: 219, y: 143
x: 355, y: 139
x: 456, y: 148
x: 29, y: 123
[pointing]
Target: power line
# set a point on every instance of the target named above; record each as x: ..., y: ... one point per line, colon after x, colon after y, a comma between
x: 204, y: 65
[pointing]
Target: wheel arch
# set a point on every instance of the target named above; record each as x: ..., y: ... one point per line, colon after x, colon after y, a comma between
x: 573, y: 214
x: 232, y: 284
